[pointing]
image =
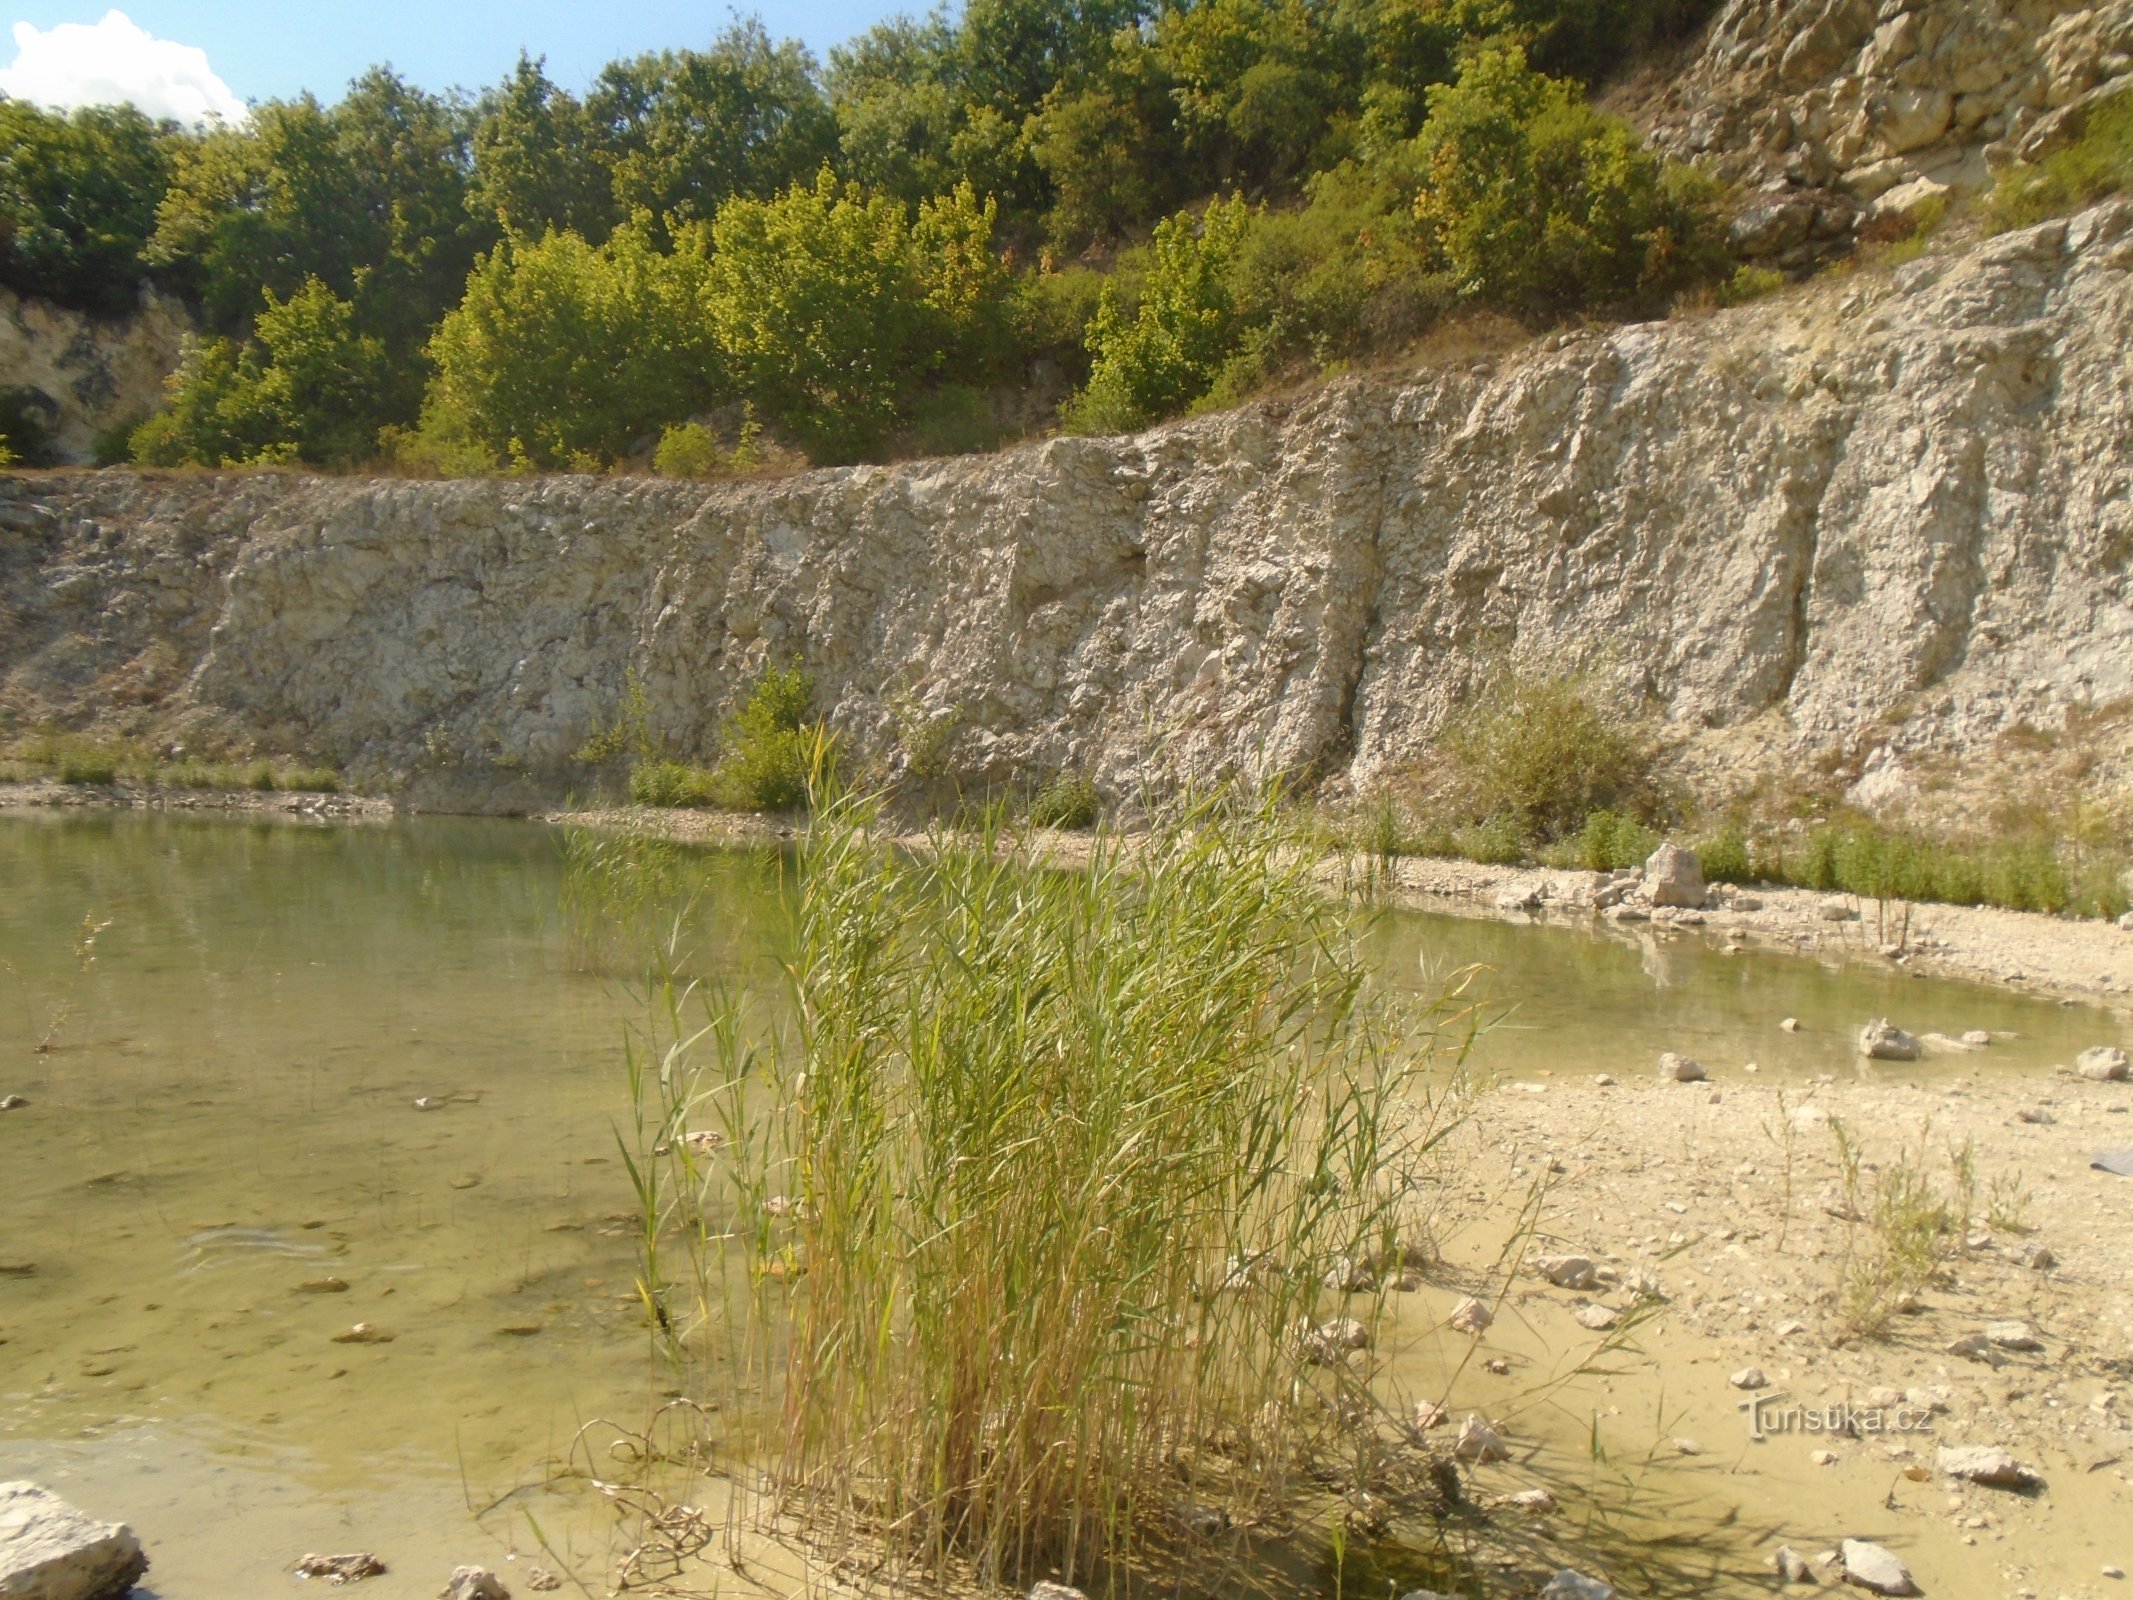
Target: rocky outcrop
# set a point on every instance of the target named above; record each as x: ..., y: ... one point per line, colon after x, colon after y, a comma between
x: 1840, y: 116
x: 86, y: 374
x: 1882, y: 515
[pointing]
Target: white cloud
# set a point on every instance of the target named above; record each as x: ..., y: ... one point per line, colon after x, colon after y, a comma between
x: 115, y: 61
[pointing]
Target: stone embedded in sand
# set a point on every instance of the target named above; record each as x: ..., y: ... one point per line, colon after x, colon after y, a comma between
x: 1882, y: 1040
x: 1471, y: 1316
x: 1789, y: 1024
x: 1836, y: 911
x: 51, y: 1551
x: 1875, y: 1567
x: 1983, y: 1463
x: 1977, y: 1037
x: 1675, y: 1068
x: 1974, y: 1347
x: 2013, y: 1336
x: 1479, y: 1442
x: 1791, y: 1566
x: 1530, y: 1502
x: 1566, y: 1272
x: 2105, y: 1063
x: 363, y: 1333
x: 12, y: 1102
x: 1569, y: 1585
x: 350, y: 1568
x: 473, y: 1583
x: 542, y: 1579
x: 1749, y: 1378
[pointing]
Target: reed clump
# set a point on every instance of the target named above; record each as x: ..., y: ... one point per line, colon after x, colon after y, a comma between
x: 1046, y: 1200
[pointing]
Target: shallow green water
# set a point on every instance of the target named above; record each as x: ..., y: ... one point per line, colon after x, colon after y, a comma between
x: 225, y: 1114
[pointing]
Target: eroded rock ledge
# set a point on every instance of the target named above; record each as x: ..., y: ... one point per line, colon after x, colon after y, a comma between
x: 1875, y: 515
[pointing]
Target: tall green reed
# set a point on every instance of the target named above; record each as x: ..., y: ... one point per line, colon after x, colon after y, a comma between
x: 1022, y: 1225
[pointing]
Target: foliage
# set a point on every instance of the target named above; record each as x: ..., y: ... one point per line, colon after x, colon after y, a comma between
x: 564, y: 352
x: 1069, y: 800
x: 771, y: 752
x: 1165, y: 353
x: 1032, y: 1206
x: 26, y: 427
x: 1542, y: 754
x: 687, y: 450
x: 684, y: 131
x: 2058, y: 868
x: 1610, y: 841
x: 835, y: 305
x: 1534, y: 200
x: 535, y: 168
x: 305, y: 388
x: 78, y: 198
x: 2096, y: 164
x: 671, y: 783
x: 1912, y: 1227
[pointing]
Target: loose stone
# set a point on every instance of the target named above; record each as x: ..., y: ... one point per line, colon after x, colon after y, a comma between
x: 51, y: 1551
x: 1875, y: 1567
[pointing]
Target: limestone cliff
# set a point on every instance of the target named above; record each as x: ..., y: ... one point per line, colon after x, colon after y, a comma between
x: 1872, y: 515
x: 87, y: 374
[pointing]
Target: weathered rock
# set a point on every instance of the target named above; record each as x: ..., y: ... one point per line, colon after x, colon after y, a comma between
x: 1836, y: 911
x: 1597, y: 1317
x: 1986, y: 1464
x: 363, y: 1333
x: 1974, y: 1347
x: 1333, y: 1341
x: 1749, y: 1378
x: 1977, y: 1038
x: 1882, y: 1040
x: 1471, y: 1316
x: 51, y: 1551
x: 12, y: 1102
x: 342, y: 1568
x: 1675, y: 1068
x: 1566, y: 1271
x: 1791, y: 1566
x: 1876, y: 1568
x: 1527, y: 1502
x: 1520, y: 897
x: 2105, y: 1063
x: 1478, y: 1442
x: 541, y: 1580
x: 1055, y: 1591
x: 473, y: 1583
x: 1572, y: 1585
x: 2013, y: 1336
x: 1674, y: 877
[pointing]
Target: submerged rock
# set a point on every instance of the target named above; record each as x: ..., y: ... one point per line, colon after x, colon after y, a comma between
x: 1876, y: 1567
x: 341, y: 1569
x: 1478, y: 1442
x: 473, y: 1583
x: 1882, y: 1040
x: 1566, y: 1271
x: 1571, y: 1585
x: 51, y: 1551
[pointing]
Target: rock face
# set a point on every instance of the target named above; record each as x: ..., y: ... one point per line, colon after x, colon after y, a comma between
x: 50, y: 1551
x: 1821, y: 111
x: 1901, y: 491
x: 88, y: 374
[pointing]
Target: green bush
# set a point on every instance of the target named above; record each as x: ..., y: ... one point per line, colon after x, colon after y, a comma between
x: 1538, y: 755
x: 671, y: 783
x: 2034, y: 868
x: 1067, y: 801
x: 687, y: 450
x: 1535, y: 200
x: 1165, y: 353
x: 771, y: 750
x: 2097, y: 164
x: 1610, y: 841
x: 25, y: 428
x: 1725, y: 856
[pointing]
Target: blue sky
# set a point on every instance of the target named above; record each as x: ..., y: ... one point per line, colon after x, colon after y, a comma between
x: 268, y: 49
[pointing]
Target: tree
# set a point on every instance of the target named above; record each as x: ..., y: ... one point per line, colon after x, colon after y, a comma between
x: 78, y: 197
x: 1535, y: 200
x: 1106, y: 148
x: 1261, y: 84
x: 898, y: 103
x: 835, y: 305
x: 565, y: 353
x: 535, y: 166
x: 305, y: 388
x: 684, y: 131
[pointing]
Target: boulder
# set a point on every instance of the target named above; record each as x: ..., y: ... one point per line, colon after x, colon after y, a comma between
x: 51, y: 1551
x: 1882, y: 1040
x: 1876, y: 1567
x: 1912, y: 116
x: 2105, y: 1063
x: 1680, y: 1069
x: 1674, y: 877
x: 1911, y: 205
